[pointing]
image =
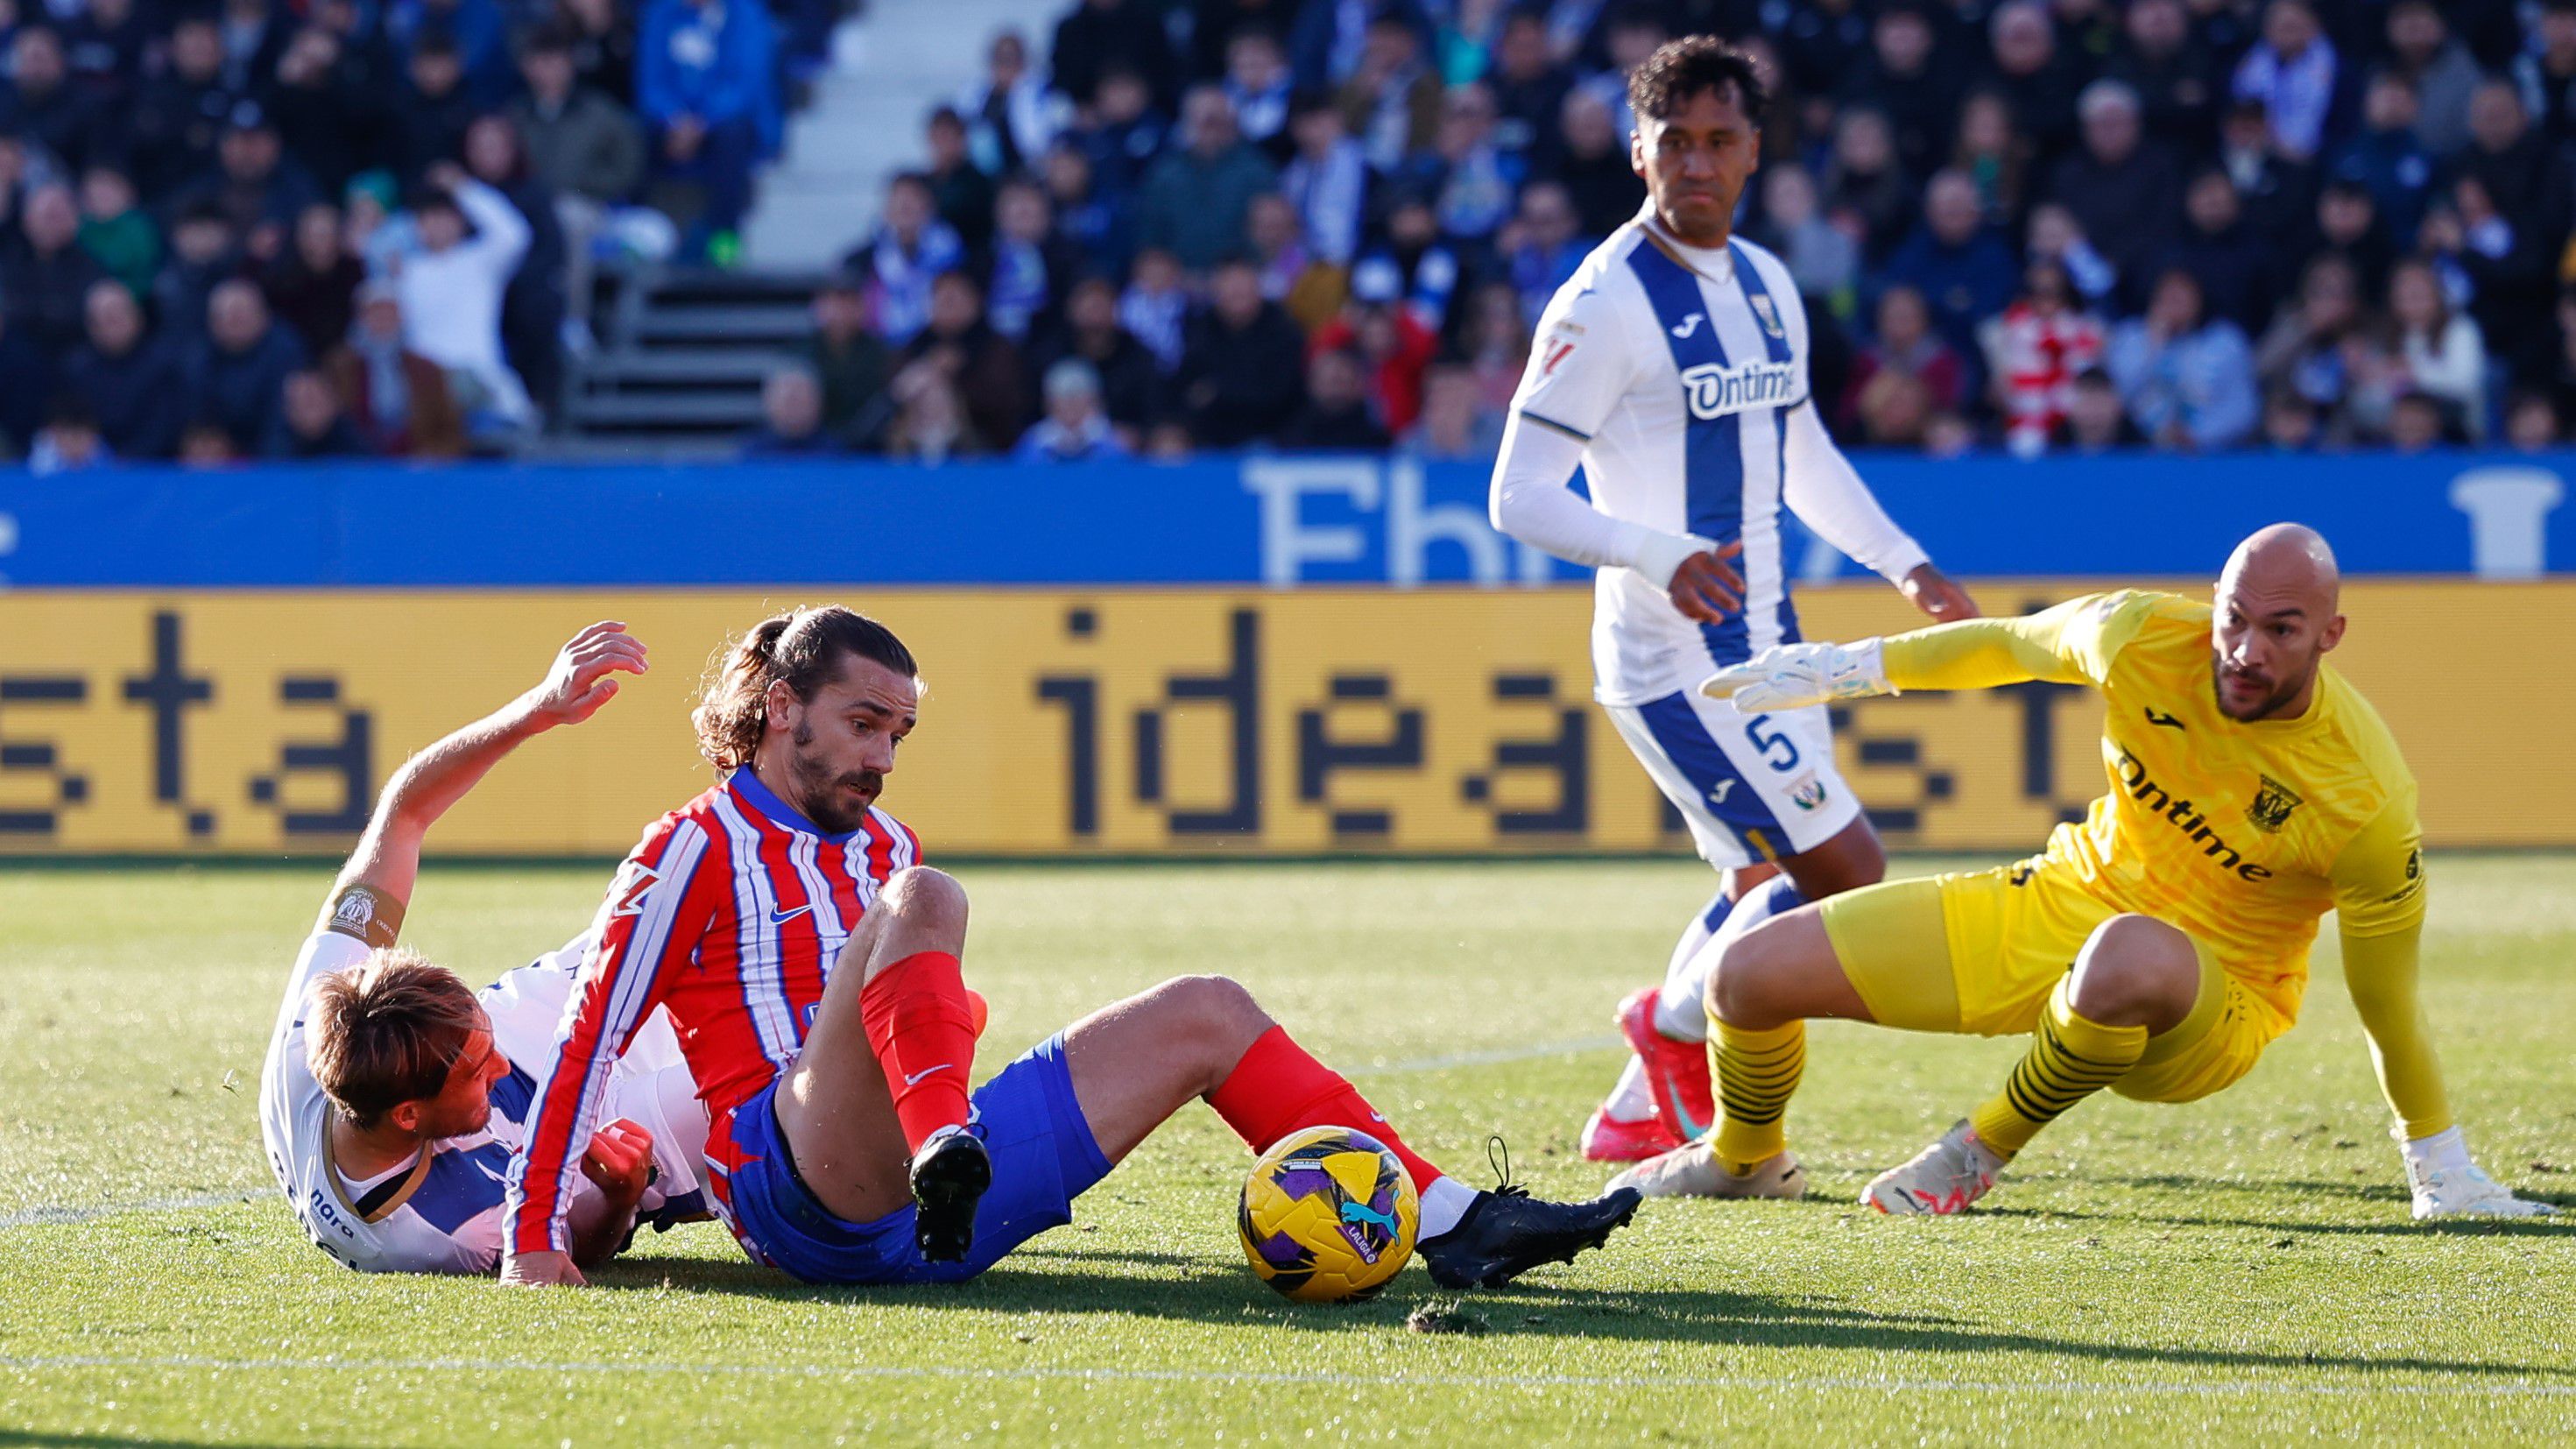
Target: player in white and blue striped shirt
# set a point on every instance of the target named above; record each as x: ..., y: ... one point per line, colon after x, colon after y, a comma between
x: 1673, y: 368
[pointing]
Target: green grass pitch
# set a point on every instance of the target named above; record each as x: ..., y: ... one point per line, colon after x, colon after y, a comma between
x: 2236, y: 1269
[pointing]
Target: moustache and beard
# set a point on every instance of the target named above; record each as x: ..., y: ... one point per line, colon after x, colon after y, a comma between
x: 2279, y: 692
x: 836, y: 802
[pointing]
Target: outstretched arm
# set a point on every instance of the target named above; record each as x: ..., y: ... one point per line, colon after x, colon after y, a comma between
x: 387, y: 860
x: 2072, y: 643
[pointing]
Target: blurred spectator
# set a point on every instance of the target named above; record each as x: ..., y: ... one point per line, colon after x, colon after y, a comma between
x: 1121, y: 134
x: 583, y: 147
x: 1993, y: 155
x: 2187, y: 378
x: 606, y: 47
x: 1964, y: 271
x: 1327, y: 181
x: 2280, y: 192
x: 1899, y: 77
x: 1494, y: 343
x: 1542, y: 248
x: 201, y: 254
x: 1631, y: 30
x: 979, y: 362
x: 1074, y: 428
x: 1256, y: 84
x: 1013, y: 119
x: 1156, y: 306
x: 313, y: 287
x: 1424, y: 270
x: 2026, y: 67
x: 237, y: 375
x: 1195, y: 196
x: 181, y: 112
x: 1215, y: 23
x: 533, y: 306
x: 259, y: 187
x: 69, y: 442
x: 706, y: 85
x: 114, y: 230
x: 27, y: 379
x: 1391, y: 342
x: 2293, y: 71
x: 1865, y: 189
x: 1462, y: 50
x: 1311, y: 290
x: 2387, y: 157
x: 2525, y: 180
x: 39, y: 103
x: 911, y: 249
x: 476, y: 28
x: 2442, y: 351
x: 1824, y: 41
x: 44, y: 277
x: 2531, y: 423
x: 848, y: 361
x: 2122, y: 190
x: 104, y: 47
x: 1456, y: 424
x: 452, y: 290
x: 791, y: 412
x: 1330, y: 43
x: 930, y: 421
x: 2347, y: 226
x: 206, y: 444
x: 2171, y: 70
x: 1235, y: 385
x: 1029, y: 268
x: 2546, y: 72
x: 1906, y: 371
x: 1335, y: 417
x: 429, y: 121
x: 2291, y: 423
x: 2503, y: 269
x: 1822, y: 258
x: 1591, y: 164
x: 1529, y: 88
x: 1083, y: 217
x: 2035, y: 351
x: 2307, y: 348
x: 2095, y: 421
x: 1102, y: 35
x: 310, y: 424
x: 1129, y: 380
x: 326, y: 119
x: 1475, y: 182
x: 2417, y: 423
x: 2235, y: 266
x: 963, y: 193
x: 2441, y: 70
x: 399, y: 401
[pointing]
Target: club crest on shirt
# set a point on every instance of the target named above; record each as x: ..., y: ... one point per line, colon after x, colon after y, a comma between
x: 1808, y: 793
x: 2272, y: 805
x: 1769, y: 315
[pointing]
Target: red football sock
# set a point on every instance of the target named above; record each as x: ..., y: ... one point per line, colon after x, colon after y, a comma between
x: 1277, y: 1089
x: 919, y: 1019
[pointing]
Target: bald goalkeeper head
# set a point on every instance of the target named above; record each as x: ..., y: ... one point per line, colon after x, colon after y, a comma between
x: 2275, y: 615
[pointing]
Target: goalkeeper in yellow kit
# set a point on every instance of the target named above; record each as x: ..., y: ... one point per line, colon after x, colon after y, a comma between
x: 2157, y: 947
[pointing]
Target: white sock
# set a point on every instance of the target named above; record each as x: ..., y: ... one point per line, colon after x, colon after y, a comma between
x: 1443, y: 1204
x: 1632, y: 1100
x: 1682, y: 1011
x: 1679, y: 1012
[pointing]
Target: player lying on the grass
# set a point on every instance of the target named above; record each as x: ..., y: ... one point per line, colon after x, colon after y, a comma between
x: 811, y: 966
x: 2154, y: 949
x: 1672, y: 367
x: 390, y: 1102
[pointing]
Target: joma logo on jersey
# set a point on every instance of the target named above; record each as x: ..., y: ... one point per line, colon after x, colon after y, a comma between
x: 2272, y: 805
x: 1715, y: 391
x: 2193, y: 824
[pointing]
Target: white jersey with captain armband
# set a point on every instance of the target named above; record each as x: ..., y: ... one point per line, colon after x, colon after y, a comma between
x: 441, y: 1213
x: 1682, y: 373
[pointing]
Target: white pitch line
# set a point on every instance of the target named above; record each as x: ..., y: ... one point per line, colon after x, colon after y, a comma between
x: 47, y: 1215
x: 2518, y: 1389
x: 1495, y: 1057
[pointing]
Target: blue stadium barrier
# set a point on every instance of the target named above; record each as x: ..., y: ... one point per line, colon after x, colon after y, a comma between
x: 1250, y: 520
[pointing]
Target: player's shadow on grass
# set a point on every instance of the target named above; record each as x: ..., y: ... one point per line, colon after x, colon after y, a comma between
x: 119, y: 1441
x: 1223, y: 1293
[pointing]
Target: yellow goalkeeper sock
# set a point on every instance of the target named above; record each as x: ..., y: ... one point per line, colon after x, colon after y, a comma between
x: 2071, y: 1057
x: 1755, y: 1071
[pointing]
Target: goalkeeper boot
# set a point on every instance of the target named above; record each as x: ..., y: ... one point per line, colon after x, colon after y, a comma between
x: 949, y: 1176
x: 1943, y: 1178
x: 1676, y: 1071
x: 1508, y: 1232
x: 1692, y: 1170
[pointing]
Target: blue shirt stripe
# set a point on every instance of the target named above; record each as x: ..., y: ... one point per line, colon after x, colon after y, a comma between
x: 1713, y: 448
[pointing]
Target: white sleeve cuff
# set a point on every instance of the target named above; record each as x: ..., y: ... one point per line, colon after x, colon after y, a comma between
x: 1660, y: 555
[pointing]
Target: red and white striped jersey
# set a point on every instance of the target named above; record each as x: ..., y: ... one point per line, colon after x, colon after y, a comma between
x: 730, y: 913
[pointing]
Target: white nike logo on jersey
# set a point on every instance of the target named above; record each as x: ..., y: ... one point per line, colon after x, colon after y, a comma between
x: 914, y: 1077
x: 1690, y: 324
x: 1718, y: 792
x: 780, y: 918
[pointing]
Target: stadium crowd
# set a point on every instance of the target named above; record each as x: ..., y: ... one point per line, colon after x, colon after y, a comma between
x: 2027, y: 225
x: 321, y: 228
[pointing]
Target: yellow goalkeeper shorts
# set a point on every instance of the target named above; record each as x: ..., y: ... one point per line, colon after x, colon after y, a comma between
x: 1978, y: 952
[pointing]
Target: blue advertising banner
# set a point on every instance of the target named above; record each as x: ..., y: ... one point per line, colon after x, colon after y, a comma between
x: 1271, y: 521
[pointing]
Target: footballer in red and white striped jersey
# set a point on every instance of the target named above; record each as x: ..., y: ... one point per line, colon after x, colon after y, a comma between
x: 729, y: 913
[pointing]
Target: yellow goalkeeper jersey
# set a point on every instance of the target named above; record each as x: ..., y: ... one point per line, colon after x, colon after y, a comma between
x: 2242, y: 834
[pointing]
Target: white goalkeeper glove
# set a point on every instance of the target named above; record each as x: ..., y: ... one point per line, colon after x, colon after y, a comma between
x: 1793, y: 676
x: 2448, y: 1185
